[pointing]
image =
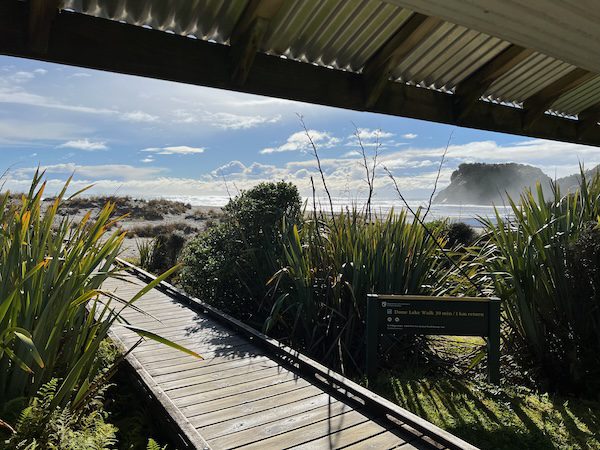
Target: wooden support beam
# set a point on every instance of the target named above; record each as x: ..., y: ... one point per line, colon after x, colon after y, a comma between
x: 588, y: 120
x: 536, y: 105
x: 248, y: 36
x: 469, y: 91
x: 41, y: 15
x: 91, y: 42
x: 378, y: 70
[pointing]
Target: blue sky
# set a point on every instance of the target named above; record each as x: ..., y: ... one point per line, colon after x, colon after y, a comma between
x: 143, y: 137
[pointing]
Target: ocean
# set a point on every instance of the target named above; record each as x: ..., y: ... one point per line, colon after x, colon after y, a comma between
x: 456, y: 213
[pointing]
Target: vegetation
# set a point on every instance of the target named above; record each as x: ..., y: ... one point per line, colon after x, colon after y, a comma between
x: 544, y: 266
x: 54, y: 317
x: 149, y: 231
x: 543, y: 262
x: 154, y: 209
x: 490, y: 417
x: 331, y: 264
x: 229, y: 264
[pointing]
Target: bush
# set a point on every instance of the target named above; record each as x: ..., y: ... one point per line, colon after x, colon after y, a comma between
x: 460, y: 233
x: 52, y: 273
x: 229, y: 264
x: 331, y: 264
x: 41, y: 426
x: 165, y: 251
x: 544, y: 264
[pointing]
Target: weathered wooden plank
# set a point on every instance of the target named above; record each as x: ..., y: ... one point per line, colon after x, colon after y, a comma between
x: 227, y: 403
x: 236, y: 390
x: 266, y: 424
x: 251, y: 373
x: 381, y: 441
x: 175, y: 359
x: 242, y: 379
x: 360, y: 433
x: 316, y: 430
x: 229, y: 365
x: 207, y: 362
x: 240, y: 411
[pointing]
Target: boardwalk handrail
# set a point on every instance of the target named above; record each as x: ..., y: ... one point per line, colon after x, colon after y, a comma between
x: 352, y: 391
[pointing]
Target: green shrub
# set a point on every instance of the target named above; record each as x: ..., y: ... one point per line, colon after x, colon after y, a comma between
x: 544, y: 265
x: 165, y: 251
x: 330, y: 266
x: 41, y: 426
x: 229, y: 264
x: 460, y: 233
x: 54, y: 314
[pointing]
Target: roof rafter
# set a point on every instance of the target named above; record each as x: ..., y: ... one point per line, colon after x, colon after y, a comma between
x: 536, y: 105
x: 378, y: 70
x: 41, y: 15
x: 469, y: 91
x: 588, y: 120
x: 248, y: 35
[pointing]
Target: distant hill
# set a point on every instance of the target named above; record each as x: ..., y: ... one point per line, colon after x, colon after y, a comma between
x: 571, y: 183
x: 484, y: 184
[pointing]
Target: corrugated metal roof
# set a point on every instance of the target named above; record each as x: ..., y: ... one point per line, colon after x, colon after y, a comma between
x: 578, y: 99
x: 338, y: 33
x: 344, y: 34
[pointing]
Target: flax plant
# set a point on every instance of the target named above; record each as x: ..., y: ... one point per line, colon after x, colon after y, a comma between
x: 331, y: 263
x: 53, y: 311
x: 529, y: 258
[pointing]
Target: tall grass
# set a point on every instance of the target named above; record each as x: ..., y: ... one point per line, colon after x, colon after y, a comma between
x: 53, y: 312
x: 550, y: 303
x: 331, y: 263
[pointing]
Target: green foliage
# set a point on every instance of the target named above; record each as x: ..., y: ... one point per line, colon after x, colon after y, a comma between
x: 331, y: 264
x: 460, y: 233
x: 145, y: 249
x: 164, y: 251
x: 54, y: 315
x: 153, y: 445
x: 496, y: 418
x: 229, y: 264
x: 41, y: 426
x: 544, y: 266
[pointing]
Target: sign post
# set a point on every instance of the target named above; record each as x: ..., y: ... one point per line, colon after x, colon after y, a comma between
x: 426, y: 315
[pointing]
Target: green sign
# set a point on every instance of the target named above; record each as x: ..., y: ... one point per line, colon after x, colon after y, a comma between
x: 425, y: 315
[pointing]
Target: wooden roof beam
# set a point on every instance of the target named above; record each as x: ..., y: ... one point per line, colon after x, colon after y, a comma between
x: 87, y: 41
x: 588, y: 120
x: 378, y: 70
x: 536, y: 105
x: 248, y: 36
x: 469, y: 91
x: 41, y: 15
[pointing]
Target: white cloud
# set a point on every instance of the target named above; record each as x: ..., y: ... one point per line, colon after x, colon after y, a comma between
x: 93, y: 172
x: 299, y: 142
x: 409, y: 136
x: 147, y: 160
x: 138, y: 116
x: 80, y: 75
x: 175, y: 150
x: 368, y: 133
x: 223, y: 120
x: 232, y: 167
x: 85, y: 144
x: 22, y: 97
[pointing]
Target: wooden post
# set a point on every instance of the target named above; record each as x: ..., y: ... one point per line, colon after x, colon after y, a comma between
x: 493, y: 342
x: 371, y: 356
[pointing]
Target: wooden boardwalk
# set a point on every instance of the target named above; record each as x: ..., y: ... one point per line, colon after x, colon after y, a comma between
x: 246, y: 395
